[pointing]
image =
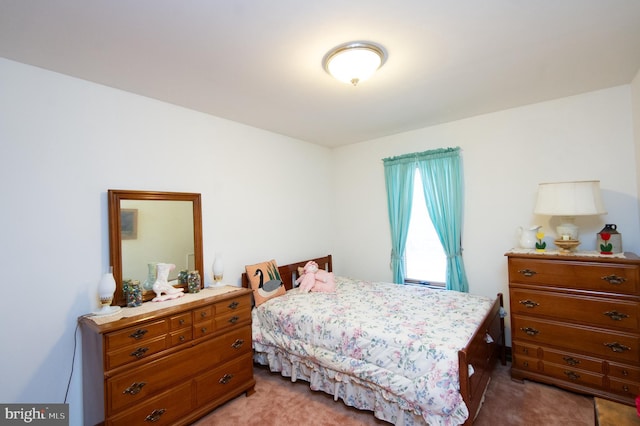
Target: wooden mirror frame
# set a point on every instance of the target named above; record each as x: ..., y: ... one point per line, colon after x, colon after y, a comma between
x: 115, y: 236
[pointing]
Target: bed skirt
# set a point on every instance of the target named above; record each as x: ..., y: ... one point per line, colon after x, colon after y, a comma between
x: 353, y: 391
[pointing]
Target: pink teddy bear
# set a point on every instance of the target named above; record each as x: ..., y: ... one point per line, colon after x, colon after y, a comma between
x: 316, y: 279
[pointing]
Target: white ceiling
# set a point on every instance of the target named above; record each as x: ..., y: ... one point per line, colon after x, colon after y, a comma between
x: 259, y: 62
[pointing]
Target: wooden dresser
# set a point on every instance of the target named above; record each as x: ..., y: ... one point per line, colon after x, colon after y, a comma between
x: 167, y: 363
x: 575, y: 322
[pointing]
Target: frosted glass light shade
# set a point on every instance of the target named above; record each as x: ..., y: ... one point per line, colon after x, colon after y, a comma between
x: 354, y: 62
x: 218, y: 269
x: 106, y: 288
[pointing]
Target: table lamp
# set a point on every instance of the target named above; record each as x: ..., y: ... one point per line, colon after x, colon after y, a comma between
x: 568, y: 200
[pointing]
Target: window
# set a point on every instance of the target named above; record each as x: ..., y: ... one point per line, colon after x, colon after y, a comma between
x: 426, y: 261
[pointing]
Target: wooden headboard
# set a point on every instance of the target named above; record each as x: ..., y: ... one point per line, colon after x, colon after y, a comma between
x: 289, y: 273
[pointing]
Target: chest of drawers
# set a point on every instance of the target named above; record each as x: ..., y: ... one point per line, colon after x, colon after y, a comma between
x: 575, y: 322
x: 170, y: 365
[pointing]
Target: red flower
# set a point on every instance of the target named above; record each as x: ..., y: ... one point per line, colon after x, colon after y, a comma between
x: 605, y: 236
x: 638, y: 404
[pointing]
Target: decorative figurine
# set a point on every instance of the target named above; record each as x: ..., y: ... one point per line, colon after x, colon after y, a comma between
x: 606, y: 247
x: 540, y: 245
x: 162, y: 288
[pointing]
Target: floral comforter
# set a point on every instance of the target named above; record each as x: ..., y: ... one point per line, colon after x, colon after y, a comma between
x: 403, y: 340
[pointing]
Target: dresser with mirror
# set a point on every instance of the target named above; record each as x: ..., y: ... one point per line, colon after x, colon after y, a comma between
x: 167, y: 362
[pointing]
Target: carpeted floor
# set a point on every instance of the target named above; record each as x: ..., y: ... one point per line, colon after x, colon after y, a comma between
x: 278, y: 401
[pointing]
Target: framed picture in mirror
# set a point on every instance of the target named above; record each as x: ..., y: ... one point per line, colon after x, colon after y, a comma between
x: 129, y: 224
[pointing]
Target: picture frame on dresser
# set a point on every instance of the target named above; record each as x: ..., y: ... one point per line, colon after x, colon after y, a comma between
x: 575, y: 322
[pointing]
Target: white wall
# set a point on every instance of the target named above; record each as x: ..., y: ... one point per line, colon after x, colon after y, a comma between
x: 505, y: 155
x: 63, y: 143
x: 635, y: 108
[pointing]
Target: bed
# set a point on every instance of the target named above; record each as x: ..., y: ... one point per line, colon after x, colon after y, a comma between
x: 376, y: 347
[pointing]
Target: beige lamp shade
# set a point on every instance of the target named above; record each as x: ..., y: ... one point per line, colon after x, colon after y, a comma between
x: 568, y: 200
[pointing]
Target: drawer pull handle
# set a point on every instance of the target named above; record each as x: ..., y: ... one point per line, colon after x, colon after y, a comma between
x: 225, y: 379
x: 625, y: 388
x: 616, y: 316
x: 617, y: 347
x: 526, y: 363
x: 237, y: 344
x: 529, y: 303
x: 530, y: 331
x: 570, y: 360
x: 181, y: 338
x: 234, y: 319
x: 203, y: 314
x: 134, y: 389
x: 181, y: 321
x: 572, y: 375
x: 203, y: 330
x: 138, y: 334
x: 233, y: 305
x: 139, y: 353
x: 527, y: 272
x: 625, y: 373
x: 525, y: 350
x: 155, y: 415
x: 614, y: 279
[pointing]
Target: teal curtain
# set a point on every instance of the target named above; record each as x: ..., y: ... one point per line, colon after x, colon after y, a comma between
x: 441, y: 174
x: 442, y: 183
x: 398, y: 175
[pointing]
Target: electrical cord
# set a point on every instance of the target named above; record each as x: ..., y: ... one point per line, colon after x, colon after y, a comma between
x: 73, y: 360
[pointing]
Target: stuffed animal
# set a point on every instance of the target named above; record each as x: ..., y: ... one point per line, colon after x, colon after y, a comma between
x: 315, y: 279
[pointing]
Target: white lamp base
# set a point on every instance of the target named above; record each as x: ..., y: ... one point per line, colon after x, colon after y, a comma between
x: 107, y: 310
x: 567, y: 227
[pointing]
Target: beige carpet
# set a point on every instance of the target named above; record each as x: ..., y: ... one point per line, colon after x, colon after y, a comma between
x: 278, y: 402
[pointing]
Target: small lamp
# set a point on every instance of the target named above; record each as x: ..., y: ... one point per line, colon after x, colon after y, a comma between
x: 568, y: 200
x: 354, y: 62
x: 218, y: 270
x: 106, y: 289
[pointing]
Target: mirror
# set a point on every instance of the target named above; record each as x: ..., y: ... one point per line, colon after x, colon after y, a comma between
x: 148, y: 227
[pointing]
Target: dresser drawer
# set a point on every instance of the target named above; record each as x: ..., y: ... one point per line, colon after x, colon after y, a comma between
x: 164, y: 409
x: 625, y: 388
x: 144, y: 382
x: 572, y: 360
x: 235, y: 304
x: 203, y: 314
x: 598, y: 311
x: 523, y: 362
x: 229, y: 319
x: 134, y: 353
x: 624, y: 372
x: 223, y: 380
x: 616, y: 278
x: 180, y: 321
x: 573, y: 375
x: 181, y: 336
x: 520, y: 348
x: 203, y: 328
x: 599, y: 342
x: 135, y: 336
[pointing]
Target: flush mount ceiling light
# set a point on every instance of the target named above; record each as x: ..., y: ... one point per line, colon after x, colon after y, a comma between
x: 354, y: 62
